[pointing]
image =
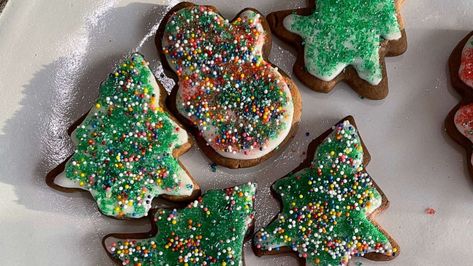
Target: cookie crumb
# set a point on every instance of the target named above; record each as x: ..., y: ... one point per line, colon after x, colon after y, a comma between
x: 430, y: 211
x: 307, y: 134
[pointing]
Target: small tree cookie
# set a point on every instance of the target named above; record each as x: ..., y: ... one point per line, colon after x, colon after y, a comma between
x: 210, y: 231
x: 127, y: 147
x: 328, y: 205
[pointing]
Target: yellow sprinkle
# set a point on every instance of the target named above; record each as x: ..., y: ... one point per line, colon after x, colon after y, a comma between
x: 97, y: 105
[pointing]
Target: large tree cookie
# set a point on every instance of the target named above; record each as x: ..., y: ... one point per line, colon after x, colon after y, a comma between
x: 210, y: 231
x: 343, y: 40
x: 127, y: 147
x: 239, y: 107
x: 328, y: 205
x: 459, y: 122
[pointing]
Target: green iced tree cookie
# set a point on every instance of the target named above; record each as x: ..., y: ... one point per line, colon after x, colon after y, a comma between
x: 125, y: 145
x: 325, y: 211
x: 210, y: 231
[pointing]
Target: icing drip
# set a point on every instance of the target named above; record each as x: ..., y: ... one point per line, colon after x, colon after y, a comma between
x: 466, y: 66
x: 325, y: 207
x: 210, y: 231
x: 124, y: 146
x: 340, y: 33
x: 240, y: 103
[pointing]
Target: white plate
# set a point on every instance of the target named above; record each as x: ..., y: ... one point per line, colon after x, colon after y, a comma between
x: 54, y: 53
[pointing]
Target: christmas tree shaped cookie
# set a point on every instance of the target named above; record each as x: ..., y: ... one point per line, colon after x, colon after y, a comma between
x: 210, y: 231
x: 239, y: 107
x: 328, y: 205
x: 343, y: 40
x: 459, y: 122
x: 127, y: 147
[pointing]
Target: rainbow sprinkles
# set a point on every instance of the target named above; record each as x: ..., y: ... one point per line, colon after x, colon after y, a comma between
x: 240, y: 103
x: 126, y: 146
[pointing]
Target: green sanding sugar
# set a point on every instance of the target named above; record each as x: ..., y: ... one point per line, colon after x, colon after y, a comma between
x: 346, y: 32
x: 210, y: 231
x: 124, y: 146
x: 325, y: 206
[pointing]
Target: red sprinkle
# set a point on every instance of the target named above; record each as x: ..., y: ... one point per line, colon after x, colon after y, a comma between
x: 430, y: 211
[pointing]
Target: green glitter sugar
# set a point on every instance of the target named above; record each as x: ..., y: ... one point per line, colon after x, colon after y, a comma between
x: 125, y: 145
x: 210, y: 230
x: 326, y: 206
x: 346, y: 32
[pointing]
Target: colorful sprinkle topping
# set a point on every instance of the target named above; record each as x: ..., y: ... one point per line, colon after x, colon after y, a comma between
x: 466, y: 66
x: 124, y: 153
x: 240, y: 103
x: 340, y: 33
x: 210, y: 231
x: 325, y: 207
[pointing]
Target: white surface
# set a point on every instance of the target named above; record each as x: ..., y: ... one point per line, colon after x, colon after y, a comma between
x: 54, y: 54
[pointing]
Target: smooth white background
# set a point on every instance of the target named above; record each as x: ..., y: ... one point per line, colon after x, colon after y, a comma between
x: 54, y: 53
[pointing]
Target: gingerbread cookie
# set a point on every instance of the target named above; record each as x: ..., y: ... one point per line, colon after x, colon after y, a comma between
x: 343, y: 40
x: 127, y: 146
x: 239, y: 107
x: 328, y: 205
x: 459, y: 122
x: 210, y: 231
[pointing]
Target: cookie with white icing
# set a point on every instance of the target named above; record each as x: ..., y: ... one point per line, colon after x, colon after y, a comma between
x: 328, y: 205
x: 127, y: 146
x: 343, y: 40
x: 459, y: 122
x: 239, y: 107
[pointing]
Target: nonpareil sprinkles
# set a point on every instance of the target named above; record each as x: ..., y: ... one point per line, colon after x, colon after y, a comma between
x: 325, y: 206
x: 124, y: 153
x: 340, y: 33
x: 210, y: 231
x: 240, y: 103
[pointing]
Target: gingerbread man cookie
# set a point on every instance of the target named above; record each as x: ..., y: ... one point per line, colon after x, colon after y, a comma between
x: 239, y: 107
x: 343, y: 40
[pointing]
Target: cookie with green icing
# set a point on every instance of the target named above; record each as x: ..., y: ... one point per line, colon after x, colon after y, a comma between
x: 209, y: 231
x: 328, y: 205
x: 127, y: 146
x: 240, y: 108
x: 343, y: 40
